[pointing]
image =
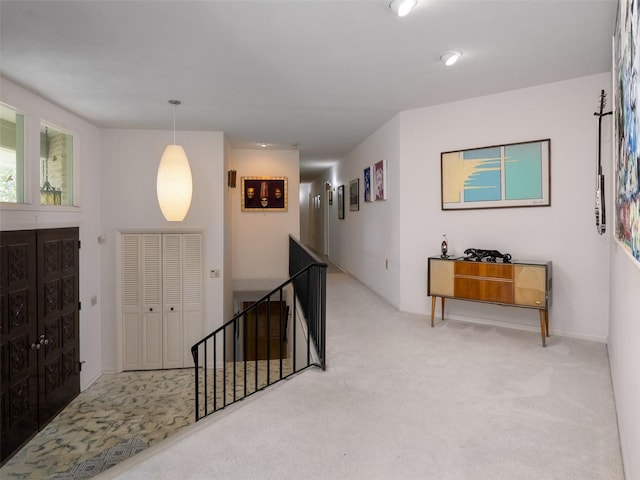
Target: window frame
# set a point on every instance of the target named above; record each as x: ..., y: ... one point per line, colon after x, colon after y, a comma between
x: 31, y: 165
x: 74, y: 165
x: 22, y: 187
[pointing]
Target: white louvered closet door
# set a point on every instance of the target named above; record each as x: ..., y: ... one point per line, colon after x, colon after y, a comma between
x: 131, y: 302
x: 172, y: 301
x: 161, y: 299
x: 152, y: 301
x: 193, y: 329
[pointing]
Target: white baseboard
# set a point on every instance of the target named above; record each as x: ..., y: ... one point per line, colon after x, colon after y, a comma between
x: 520, y: 326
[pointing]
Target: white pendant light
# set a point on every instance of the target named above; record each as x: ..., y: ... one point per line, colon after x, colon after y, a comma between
x: 174, y: 185
x: 402, y: 7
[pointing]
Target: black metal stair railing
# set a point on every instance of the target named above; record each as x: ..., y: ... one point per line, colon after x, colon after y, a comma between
x: 278, y: 336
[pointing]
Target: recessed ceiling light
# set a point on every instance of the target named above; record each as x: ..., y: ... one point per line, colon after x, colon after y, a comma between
x: 402, y: 7
x: 449, y: 58
x: 263, y: 144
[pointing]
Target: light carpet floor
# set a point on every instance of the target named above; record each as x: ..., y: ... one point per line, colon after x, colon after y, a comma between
x: 401, y: 400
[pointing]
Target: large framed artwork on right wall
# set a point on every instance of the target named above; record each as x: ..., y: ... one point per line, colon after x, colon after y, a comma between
x: 627, y: 130
x: 509, y: 175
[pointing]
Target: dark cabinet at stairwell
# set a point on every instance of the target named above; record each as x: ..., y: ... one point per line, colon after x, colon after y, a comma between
x: 39, y: 330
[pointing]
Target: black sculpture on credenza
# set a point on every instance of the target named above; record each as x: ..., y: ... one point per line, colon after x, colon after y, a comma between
x: 489, y: 256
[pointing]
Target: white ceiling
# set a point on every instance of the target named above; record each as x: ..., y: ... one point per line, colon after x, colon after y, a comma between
x: 319, y: 74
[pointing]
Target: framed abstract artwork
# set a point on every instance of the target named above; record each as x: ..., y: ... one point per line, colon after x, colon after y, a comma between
x: 626, y: 195
x: 341, y: 202
x: 354, y: 195
x: 509, y: 175
x: 264, y: 194
x: 367, y: 184
x: 380, y: 179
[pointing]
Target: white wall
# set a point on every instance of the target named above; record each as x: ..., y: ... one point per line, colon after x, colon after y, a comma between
x: 305, y: 189
x: 624, y: 359
x: 86, y: 216
x: 367, y: 242
x: 563, y: 233
x: 227, y: 269
x: 319, y: 212
x: 261, y: 239
x: 129, y: 203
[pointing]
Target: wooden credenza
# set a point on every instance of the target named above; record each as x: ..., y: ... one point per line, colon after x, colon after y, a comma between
x: 518, y: 284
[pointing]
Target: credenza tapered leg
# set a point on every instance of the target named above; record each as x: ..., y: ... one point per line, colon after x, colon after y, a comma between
x: 546, y: 321
x: 442, y: 306
x: 433, y: 308
x: 543, y: 326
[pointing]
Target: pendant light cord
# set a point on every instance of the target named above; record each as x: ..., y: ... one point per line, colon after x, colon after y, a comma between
x: 175, y: 103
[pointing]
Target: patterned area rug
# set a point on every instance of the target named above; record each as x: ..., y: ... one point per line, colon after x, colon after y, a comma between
x: 104, y: 460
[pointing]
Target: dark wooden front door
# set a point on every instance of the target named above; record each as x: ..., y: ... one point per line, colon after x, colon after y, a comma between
x: 18, y: 334
x: 39, y: 329
x: 58, y: 372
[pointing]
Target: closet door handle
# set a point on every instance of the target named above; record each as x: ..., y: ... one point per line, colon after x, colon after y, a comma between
x: 151, y: 309
x: 172, y: 309
x: 35, y: 346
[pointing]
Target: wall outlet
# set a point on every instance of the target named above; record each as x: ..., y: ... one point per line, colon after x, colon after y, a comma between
x: 94, y: 300
x: 214, y: 273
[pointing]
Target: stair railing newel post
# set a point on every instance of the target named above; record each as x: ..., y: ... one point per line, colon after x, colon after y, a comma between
x: 194, y: 354
x: 321, y: 301
x: 295, y: 326
x: 280, y: 333
x: 309, y: 320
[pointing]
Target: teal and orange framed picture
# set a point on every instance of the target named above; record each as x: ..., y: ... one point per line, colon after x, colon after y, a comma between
x: 499, y: 176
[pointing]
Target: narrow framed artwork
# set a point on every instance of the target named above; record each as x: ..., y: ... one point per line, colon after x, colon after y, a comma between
x: 626, y: 87
x: 367, y: 184
x: 500, y: 176
x: 380, y: 179
x: 354, y: 195
x: 341, y: 202
x: 264, y: 194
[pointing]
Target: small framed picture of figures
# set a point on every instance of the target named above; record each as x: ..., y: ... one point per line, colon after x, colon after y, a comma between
x: 264, y: 194
x: 341, y: 202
